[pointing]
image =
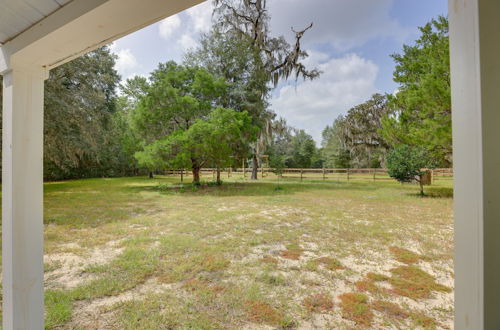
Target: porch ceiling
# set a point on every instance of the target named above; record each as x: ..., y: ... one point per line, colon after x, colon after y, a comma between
x: 18, y: 15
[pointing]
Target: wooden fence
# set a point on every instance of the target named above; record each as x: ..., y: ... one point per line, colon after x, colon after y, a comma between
x: 338, y: 174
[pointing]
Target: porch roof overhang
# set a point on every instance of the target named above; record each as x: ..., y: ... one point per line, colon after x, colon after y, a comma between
x: 48, y: 33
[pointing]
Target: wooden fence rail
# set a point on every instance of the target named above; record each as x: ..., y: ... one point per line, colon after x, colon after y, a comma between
x: 345, y: 174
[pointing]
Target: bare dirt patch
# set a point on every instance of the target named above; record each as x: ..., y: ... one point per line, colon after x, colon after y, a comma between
x: 99, y: 313
x: 69, y: 273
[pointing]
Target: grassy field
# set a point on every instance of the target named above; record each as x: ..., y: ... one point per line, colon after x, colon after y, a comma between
x: 136, y: 253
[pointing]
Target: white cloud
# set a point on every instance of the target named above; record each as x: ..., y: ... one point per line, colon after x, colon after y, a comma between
x: 126, y: 61
x: 201, y: 16
x: 311, y: 105
x: 186, y: 41
x: 168, y: 26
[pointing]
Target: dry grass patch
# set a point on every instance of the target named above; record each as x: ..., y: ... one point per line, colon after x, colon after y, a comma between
x: 412, y: 282
x: 424, y: 321
x: 377, y: 277
x: 175, y: 270
x: 330, y: 263
x: 369, y: 286
x: 213, y: 263
x: 292, y: 251
x: 273, y: 280
x: 318, y: 303
x: 355, y: 308
x: 391, y: 310
x: 405, y: 256
x: 262, y: 312
x: 184, y: 265
x: 197, y: 285
x: 270, y: 260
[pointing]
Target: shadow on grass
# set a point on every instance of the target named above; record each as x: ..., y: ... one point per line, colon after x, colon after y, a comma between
x: 248, y: 188
x: 440, y: 192
x: 435, y: 192
x: 93, y: 202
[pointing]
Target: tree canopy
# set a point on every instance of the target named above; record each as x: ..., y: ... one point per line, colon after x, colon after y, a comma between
x: 211, y: 141
x: 409, y: 163
x: 181, y: 123
x: 354, y: 139
x: 272, y: 59
x: 421, y: 108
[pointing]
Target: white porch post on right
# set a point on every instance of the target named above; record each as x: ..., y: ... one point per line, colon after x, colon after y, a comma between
x: 475, y: 83
x: 22, y: 198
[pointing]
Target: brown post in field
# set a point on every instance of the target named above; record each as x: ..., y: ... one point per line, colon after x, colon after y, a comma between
x: 301, y: 173
x: 374, y: 173
x: 244, y: 169
x: 262, y: 170
x: 182, y: 175
x: 324, y: 174
x: 347, y: 174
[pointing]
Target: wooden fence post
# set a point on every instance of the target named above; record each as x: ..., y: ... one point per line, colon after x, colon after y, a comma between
x: 301, y: 174
x: 324, y: 174
x: 374, y: 173
x: 262, y: 169
x: 347, y: 174
x: 182, y: 175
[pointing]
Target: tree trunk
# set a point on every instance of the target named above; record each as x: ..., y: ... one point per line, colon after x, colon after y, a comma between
x: 196, y: 175
x: 255, y: 166
x: 150, y: 174
x: 421, y: 186
x: 219, y: 182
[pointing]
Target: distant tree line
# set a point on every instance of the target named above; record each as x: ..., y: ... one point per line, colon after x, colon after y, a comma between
x: 212, y: 109
x: 82, y: 129
x: 417, y: 115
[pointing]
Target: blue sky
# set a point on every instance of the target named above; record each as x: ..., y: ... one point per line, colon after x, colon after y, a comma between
x: 351, y: 42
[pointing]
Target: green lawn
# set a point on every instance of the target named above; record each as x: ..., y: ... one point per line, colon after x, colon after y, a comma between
x: 135, y: 253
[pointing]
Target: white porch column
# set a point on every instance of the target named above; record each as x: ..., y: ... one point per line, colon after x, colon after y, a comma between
x: 475, y: 76
x: 22, y: 198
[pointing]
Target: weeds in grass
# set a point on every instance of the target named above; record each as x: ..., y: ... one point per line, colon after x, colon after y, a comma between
x: 128, y: 270
x: 270, y: 260
x: 195, y: 285
x: 262, y: 312
x: 355, y: 308
x: 405, y: 256
x: 377, y: 277
x: 292, y: 251
x: 311, y: 265
x: 369, y: 286
x: 273, y: 279
x: 391, y: 310
x: 330, y: 263
x: 175, y: 270
x: 412, y: 282
x: 176, y: 234
x: 51, y: 266
x: 424, y: 321
x: 318, y: 303
x: 58, y: 307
